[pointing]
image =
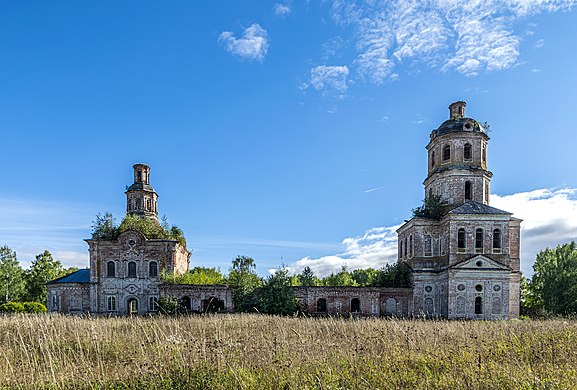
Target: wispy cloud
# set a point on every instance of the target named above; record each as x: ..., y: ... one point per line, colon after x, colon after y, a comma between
x: 252, y: 46
x: 373, y: 189
x: 549, y: 219
x: 330, y: 80
x: 539, y: 43
x: 282, y: 10
x: 469, y: 37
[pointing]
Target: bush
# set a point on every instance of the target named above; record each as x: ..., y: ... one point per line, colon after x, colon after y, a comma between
x: 34, y: 307
x: 12, y: 307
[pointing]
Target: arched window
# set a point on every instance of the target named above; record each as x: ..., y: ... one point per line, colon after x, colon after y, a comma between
x: 446, y: 152
x: 484, y: 153
x: 110, y: 269
x: 111, y: 303
x: 479, y: 240
x: 132, y: 269
x: 152, y: 304
x: 497, y: 239
x: 430, y: 192
x: 401, y: 249
x: 405, y: 247
x: 478, y: 305
x: 468, y: 192
x: 137, y: 204
x: 185, y: 303
x: 496, y: 308
x: 467, y: 154
x: 428, y: 249
x: 355, y: 305
x: 321, y: 305
x: 411, y: 245
x: 153, y: 269
x: 432, y: 159
x: 461, y: 239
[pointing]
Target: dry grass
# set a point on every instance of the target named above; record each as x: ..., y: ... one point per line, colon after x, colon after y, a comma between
x: 254, y: 352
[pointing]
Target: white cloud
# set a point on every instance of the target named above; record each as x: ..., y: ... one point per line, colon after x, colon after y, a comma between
x: 282, y: 10
x: 469, y: 37
x: 549, y: 219
x: 540, y: 43
x: 330, y: 80
x: 252, y: 46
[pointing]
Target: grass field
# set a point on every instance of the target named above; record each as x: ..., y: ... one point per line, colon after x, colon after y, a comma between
x: 254, y: 352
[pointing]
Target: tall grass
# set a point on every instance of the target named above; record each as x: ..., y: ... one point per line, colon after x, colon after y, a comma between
x: 254, y: 352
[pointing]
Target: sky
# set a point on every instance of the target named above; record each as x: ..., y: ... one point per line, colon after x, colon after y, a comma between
x: 293, y: 132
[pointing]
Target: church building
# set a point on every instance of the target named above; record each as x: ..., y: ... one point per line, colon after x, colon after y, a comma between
x: 461, y: 253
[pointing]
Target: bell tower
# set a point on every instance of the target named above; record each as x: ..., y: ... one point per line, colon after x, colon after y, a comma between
x: 457, y: 160
x: 141, y: 199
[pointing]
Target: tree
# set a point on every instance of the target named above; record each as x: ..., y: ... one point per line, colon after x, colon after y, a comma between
x: 342, y: 278
x: 197, y: 275
x: 12, y: 284
x: 243, y: 279
x: 394, y: 275
x: 42, y: 270
x: 433, y: 207
x: 554, y: 284
x: 276, y: 295
x: 104, y: 227
x: 366, y: 277
x: 307, y: 277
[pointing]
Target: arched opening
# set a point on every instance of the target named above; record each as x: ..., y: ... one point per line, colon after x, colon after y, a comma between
x: 484, y: 153
x: 391, y: 307
x: 497, y: 239
x: 212, y: 305
x: 185, y: 303
x: 432, y: 159
x: 467, y: 154
x: 411, y: 245
x: 401, y: 249
x: 132, y: 306
x: 479, y: 240
x: 478, y: 305
x: 461, y: 239
x: 405, y: 247
x: 468, y: 192
x: 110, y: 269
x: 429, y: 307
x: 355, y: 305
x: 496, y: 309
x: 153, y: 269
x: 132, y: 269
x: 321, y: 305
x: 446, y: 152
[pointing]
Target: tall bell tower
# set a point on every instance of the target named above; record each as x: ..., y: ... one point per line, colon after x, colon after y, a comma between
x: 457, y: 169
x: 141, y: 199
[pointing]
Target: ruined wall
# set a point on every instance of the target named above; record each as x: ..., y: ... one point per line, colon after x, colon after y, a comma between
x: 197, y: 297
x: 69, y: 298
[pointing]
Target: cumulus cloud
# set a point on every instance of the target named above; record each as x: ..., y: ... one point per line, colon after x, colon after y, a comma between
x: 330, y: 80
x: 282, y: 10
x: 252, y: 46
x: 453, y: 35
x: 549, y: 219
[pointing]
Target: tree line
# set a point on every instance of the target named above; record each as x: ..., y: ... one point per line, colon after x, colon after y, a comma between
x: 27, y: 285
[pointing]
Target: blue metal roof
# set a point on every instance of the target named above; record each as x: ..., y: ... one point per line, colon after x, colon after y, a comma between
x: 80, y: 276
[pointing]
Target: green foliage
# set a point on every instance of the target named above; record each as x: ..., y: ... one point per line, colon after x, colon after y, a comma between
x: 366, y: 277
x: 433, y: 208
x: 243, y: 279
x: 34, y: 307
x: 197, y: 275
x: 307, y: 278
x: 44, y: 269
x: 168, y: 304
x: 12, y: 274
x: 276, y: 295
x: 395, y: 275
x: 553, y: 287
x: 343, y: 278
x: 104, y: 227
x: 12, y: 307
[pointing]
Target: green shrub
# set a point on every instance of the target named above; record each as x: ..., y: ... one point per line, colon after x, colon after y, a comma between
x: 34, y: 307
x: 12, y: 307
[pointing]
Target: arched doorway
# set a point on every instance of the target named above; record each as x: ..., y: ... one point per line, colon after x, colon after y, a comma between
x: 355, y: 305
x: 212, y: 305
x: 185, y: 303
x: 391, y: 307
x: 133, y: 306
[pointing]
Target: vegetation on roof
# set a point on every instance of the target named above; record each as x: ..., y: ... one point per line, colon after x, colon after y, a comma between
x: 104, y: 227
x: 433, y: 208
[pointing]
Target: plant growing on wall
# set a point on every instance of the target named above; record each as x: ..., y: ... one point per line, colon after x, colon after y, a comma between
x: 433, y: 208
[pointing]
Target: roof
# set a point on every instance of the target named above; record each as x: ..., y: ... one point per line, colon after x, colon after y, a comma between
x: 473, y: 207
x: 459, y: 124
x: 140, y: 186
x: 80, y: 276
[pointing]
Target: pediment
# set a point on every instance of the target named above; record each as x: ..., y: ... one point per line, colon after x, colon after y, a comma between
x: 480, y: 262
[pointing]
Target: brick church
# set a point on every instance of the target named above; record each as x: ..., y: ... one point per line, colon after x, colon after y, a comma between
x: 463, y: 261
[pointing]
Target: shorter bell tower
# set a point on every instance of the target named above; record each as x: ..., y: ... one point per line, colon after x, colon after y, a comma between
x: 141, y: 199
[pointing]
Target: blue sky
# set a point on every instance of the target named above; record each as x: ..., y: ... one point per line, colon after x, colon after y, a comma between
x: 292, y: 132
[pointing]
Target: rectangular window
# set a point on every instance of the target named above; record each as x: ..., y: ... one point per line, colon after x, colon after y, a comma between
x: 111, y: 303
x: 428, y: 246
x: 153, y: 304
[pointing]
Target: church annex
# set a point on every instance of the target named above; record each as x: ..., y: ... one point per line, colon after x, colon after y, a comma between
x: 464, y: 260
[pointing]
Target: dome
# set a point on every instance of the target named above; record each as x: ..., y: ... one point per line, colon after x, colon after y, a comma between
x: 457, y: 125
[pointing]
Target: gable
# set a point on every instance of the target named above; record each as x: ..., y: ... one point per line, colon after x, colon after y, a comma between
x: 480, y: 262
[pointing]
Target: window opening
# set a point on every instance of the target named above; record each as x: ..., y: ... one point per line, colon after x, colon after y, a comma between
x: 461, y: 242
x: 110, y: 269
x: 479, y: 240
x: 478, y: 305
x: 467, y: 152
x: 468, y: 195
x: 132, y: 269
x: 446, y: 152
